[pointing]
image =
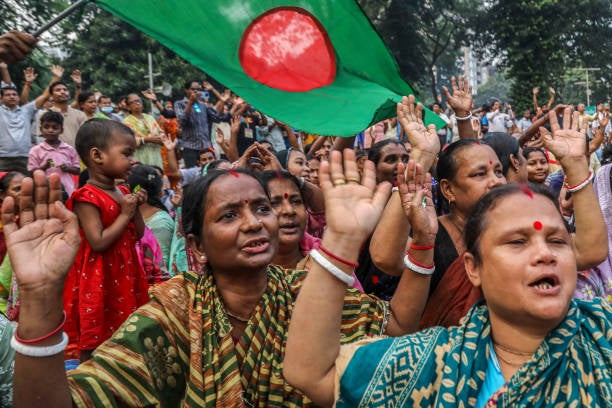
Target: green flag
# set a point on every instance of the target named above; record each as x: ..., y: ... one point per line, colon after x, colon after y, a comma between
x: 317, y: 65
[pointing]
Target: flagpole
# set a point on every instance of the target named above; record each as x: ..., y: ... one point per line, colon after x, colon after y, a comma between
x: 59, y: 17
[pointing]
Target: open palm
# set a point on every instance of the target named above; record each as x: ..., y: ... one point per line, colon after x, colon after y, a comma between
x: 568, y: 141
x: 43, y: 248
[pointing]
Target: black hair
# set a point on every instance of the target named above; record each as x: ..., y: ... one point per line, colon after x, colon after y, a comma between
x: 194, y: 199
x: 5, y: 181
x: 606, y: 155
x: 375, y: 152
x: 504, y: 145
x: 266, y: 176
x: 149, y: 179
x: 284, y: 155
x: 53, y: 117
x: 477, y: 221
x: 8, y: 88
x: 447, y: 167
x: 98, y: 133
x: 84, y: 96
x: 56, y: 83
x: 104, y: 97
x: 207, y: 150
x: 528, y: 150
x: 122, y: 97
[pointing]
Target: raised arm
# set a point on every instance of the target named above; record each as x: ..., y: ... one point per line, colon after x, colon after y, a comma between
x: 552, y: 97
x: 353, y: 209
x: 599, y: 133
x: 534, y: 92
x: 4, y: 73
x: 77, y: 79
x: 461, y: 103
x: 30, y: 76
x: 568, y: 145
x: 388, y: 254
x: 47, y: 229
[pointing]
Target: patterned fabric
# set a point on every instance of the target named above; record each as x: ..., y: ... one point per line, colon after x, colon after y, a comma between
x: 7, y: 363
x: 446, y: 367
x: 598, y: 281
x: 102, y: 288
x: 178, y: 349
x: 178, y: 253
x: 151, y: 258
x: 148, y: 153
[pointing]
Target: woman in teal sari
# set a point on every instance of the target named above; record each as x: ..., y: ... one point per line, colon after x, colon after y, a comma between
x: 528, y: 344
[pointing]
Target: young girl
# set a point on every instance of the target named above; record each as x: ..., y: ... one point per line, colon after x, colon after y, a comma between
x: 106, y: 282
x: 10, y: 186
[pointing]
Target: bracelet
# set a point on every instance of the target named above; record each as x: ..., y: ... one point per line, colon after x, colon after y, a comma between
x: 468, y: 117
x: 580, y: 186
x: 418, y: 268
x: 45, y: 337
x: 394, y: 189
x: 331, y: 268
x: 337, y: 258
x: 421, y: 247
x: 32, y: 351
x: 142, y: 141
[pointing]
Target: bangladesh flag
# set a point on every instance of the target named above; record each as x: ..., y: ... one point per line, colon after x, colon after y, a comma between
x: 317, y: 65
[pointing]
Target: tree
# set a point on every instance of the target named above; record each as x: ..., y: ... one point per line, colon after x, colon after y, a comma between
x: 113, y: 58
x: 539, y: 40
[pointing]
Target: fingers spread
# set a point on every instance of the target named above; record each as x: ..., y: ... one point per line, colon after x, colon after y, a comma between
x: 26, y: 201
x: 8, y: 216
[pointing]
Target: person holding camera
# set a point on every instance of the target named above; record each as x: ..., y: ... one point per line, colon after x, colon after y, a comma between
x: 194, y: 117
x: 497, y: 119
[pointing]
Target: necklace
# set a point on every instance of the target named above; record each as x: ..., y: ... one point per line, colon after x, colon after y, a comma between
x: 240, y: 319
x: 100, y: 186
x: 499, y: 356
x: 512, y: 351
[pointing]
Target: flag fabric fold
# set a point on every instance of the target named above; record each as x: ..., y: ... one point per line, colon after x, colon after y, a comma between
x: 319, y: 66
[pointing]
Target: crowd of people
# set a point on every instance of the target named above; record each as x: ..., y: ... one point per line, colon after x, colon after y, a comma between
x: 209, y: 255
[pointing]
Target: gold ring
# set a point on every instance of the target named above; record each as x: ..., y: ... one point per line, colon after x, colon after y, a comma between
x: 338, y: 182
x: 353, y: 179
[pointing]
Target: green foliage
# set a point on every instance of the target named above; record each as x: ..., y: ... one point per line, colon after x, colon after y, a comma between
x: 497, y: 87
x: 539, y: 40
x: 112, y: 56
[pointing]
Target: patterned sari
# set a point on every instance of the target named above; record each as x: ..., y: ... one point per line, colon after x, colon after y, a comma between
x: 442, y: 367
x: 178, y: 349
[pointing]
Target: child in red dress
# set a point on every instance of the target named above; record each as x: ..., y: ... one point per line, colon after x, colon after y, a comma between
x: 106, y: 283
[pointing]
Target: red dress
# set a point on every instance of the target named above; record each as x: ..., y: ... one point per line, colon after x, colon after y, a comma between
x: 102, y: 288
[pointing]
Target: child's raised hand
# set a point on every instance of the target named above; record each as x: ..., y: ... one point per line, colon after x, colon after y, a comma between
x: 46, y: 228
x: 141, y: 196
x: 129, y: 204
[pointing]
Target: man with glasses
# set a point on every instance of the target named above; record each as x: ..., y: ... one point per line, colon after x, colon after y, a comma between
x: 194, y: 119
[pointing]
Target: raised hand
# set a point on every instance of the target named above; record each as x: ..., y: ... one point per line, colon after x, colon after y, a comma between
x: 30, y: 74
x: 461, y: 99
x: 57, y: 71
x: 424, y: 140
x: 551, y: 90
x: 168, y: 143
x: 535, y: 90
x: 415, y: 194
x: 270, y: 160
x: 76, y: 77
x: 129, y: 204
x: 149, y: 94
x: 47, y: 229
x: 352, y: 205
x: 226, y: 95
x: 567, y: 142
x: 207, y: 85
x: 177, y: 197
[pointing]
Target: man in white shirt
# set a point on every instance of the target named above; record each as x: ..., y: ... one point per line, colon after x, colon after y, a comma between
x: 497, y: 119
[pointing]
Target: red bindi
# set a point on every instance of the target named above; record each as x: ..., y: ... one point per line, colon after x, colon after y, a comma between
x: 286, y: 196
x: 490, y: 163
x: 246, y: 201
x: 537, y: 225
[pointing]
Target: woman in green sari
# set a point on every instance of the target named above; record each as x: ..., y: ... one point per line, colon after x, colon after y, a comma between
x: 215, y: 339
x: 527, y: 344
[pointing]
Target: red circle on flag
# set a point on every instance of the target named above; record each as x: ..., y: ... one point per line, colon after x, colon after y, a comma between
x: 288, y: 49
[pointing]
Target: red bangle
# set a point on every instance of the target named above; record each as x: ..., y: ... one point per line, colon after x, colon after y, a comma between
x: 567, y: 186
x: 419, y: 264
x: 421, y: 247
x: 337, y: 258
x: 43, y: 338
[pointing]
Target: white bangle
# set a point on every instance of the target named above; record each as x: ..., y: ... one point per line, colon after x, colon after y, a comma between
x: 468, y: 117
x: 418, y: 269
x: 33, y: 351
x: 394, y: 189
x: 581, y: 185
x: 331, y: 268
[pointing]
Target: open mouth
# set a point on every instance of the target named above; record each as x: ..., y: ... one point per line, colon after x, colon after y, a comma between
x: 545, y: 283
x: 289, y: 228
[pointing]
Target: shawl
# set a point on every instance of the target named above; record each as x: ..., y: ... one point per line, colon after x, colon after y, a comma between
x: 598, y: 281
x: 442, y: 367
x: 178, y: 349
x: 451, y: 299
